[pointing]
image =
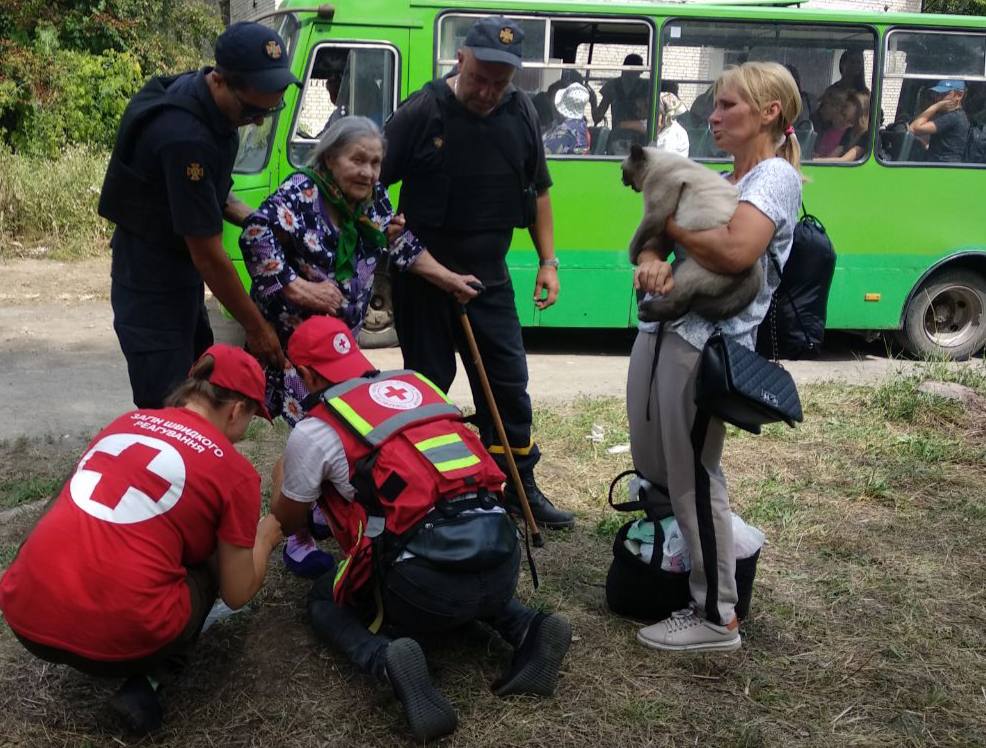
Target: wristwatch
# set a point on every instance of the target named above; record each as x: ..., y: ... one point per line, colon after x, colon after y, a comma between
x: 551, y: 263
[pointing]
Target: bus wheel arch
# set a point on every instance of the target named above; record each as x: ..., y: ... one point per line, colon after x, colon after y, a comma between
x: 378, y: 327
x: 945, y: 314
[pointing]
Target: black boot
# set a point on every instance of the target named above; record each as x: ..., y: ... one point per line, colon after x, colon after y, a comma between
x: 428, y: 713
x: 536, y: 662
x: 138, y: 706
x: 546, y: 514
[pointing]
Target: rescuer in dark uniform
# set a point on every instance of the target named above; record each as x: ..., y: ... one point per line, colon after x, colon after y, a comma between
x: 468, y: 150
x: 167, y: 191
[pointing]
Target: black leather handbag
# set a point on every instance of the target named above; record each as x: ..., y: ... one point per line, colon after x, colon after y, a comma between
x: 743, y: 388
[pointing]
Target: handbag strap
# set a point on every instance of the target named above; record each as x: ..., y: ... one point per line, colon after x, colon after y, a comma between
x: 653, y: 367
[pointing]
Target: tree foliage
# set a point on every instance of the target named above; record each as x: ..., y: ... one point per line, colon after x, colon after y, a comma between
x: 68, y: 67
x: 956, y: 7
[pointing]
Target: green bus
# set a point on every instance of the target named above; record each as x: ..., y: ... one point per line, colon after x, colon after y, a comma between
x: 909, y: 228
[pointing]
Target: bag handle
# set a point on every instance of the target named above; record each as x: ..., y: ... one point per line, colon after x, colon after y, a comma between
x: 638, y: 505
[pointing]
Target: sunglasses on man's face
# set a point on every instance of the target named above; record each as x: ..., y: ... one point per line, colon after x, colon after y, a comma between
x: 252, y: 111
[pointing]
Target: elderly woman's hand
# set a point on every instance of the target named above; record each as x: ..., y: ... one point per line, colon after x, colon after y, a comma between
x: 396, y: 227
x: 323, y: 296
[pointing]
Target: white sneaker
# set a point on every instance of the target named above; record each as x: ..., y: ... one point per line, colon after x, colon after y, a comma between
x: 685, y: 631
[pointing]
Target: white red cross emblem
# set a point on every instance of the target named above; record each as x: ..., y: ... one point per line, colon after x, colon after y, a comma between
x: 392, y: 393
x: 128, y: 478
x: 341, y: 343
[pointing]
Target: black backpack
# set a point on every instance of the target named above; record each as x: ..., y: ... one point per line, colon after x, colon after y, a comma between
x: 975, y: 145
x: 795, y: 323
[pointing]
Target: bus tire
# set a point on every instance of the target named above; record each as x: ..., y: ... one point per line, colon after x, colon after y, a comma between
x: 378, y: 327
x: 947, y: 316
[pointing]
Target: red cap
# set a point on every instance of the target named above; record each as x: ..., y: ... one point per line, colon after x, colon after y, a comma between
x: 237, y: 370
x: 326, y: 345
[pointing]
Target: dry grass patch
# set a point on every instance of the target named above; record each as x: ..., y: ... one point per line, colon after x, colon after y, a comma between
x: 866, y: 626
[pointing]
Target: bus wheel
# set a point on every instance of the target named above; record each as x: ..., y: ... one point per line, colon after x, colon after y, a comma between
x: 378, y: 327
x: 947, y: 316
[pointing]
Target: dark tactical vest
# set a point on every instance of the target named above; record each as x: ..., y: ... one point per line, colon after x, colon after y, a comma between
x: 472, y: 174
x: 129, y: 198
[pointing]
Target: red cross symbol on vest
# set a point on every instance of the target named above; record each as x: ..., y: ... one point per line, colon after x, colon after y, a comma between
x: 128, y: 478
x: 399, y: 393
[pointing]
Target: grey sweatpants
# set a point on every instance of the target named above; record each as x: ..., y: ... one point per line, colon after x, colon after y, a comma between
x: 665, y: 444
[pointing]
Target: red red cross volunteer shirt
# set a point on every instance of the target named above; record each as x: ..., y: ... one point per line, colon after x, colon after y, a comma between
x: 102, y: 574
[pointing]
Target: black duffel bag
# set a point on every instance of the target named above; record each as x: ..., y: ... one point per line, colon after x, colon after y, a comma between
x: 645, y: 591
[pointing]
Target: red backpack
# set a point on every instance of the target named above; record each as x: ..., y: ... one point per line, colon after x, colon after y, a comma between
x: 417, y: 469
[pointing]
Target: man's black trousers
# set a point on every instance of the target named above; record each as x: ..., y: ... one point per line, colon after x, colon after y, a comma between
x: 161, y: 335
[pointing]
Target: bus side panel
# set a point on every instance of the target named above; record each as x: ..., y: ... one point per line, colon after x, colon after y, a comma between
x: 594, y: 218
x: 888, y: 226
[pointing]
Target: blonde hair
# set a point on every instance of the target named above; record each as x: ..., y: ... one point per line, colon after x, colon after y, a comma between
x: 759, y: 84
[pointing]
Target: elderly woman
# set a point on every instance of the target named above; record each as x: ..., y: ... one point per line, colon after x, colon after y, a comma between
x: 670, y: 135
x: 671, y: 442
x: 312, y: 248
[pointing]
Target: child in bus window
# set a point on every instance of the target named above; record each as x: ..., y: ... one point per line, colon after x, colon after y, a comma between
x: 852, y: 147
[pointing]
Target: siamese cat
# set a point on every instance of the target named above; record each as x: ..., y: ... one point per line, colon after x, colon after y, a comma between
x: 698, y: 199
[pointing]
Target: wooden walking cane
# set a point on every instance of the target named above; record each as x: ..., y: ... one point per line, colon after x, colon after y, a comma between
x: 498, y: 423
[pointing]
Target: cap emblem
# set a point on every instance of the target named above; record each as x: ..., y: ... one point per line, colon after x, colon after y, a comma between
x: 506, y: 35
x: 194, y: 171
x: 273, y: 50
x: 341, y: 343
x: 438, y: 142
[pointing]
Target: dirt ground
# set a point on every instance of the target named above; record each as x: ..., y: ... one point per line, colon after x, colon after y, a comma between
x: 60, y: 357
x: 866, y: 627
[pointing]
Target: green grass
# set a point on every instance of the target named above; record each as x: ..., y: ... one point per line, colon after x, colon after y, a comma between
x: 866, y: 626
x: 16, y: 492
x: 48, y: 206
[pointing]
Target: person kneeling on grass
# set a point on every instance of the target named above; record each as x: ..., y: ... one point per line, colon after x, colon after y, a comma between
x: 414, y: 501
x: 159, y: 517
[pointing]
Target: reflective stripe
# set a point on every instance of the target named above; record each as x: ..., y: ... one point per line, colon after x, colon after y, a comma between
x: 447, y: 453
x: 344, y: 565
x: 497, y: 449
x: 434, y: 386
x: 375, y: 436
x: 405, y: 418
x: 450, y: 465
x: 349, y: 415
x: 438, y: 441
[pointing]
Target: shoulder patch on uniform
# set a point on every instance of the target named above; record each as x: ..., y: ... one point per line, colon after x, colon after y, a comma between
x: 194, y: 171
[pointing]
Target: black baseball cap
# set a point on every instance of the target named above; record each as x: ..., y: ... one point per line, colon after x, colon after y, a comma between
x: 495, y: 39
x: 255, y: 53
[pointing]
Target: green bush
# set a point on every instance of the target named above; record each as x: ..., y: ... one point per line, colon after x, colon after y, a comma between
x: 51, y: 203
x: 78, y: 99
x: 69, y: 67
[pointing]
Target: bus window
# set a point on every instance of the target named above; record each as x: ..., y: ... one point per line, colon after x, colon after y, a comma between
x: 343, y: 80
x: 832, y: 65
x: 589, y: 80
x: 255, y: 140
x: 934, y: 98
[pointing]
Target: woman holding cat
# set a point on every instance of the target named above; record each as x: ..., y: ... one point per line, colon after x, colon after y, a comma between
x: 755, y: 106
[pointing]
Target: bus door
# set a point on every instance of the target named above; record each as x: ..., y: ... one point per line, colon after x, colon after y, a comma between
x: 345, y: 74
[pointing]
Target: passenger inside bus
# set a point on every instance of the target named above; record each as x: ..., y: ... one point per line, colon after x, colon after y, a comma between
x: 628, y: 96
x: 944, y: 123
x: 855, y: 112
x: 851, y: 72
x: 570, y: 134
x: 832, y: 120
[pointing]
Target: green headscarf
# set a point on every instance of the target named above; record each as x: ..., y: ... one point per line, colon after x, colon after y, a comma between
x: 355, y: 223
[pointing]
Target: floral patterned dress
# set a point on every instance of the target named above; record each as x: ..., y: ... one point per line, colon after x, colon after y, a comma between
x: 291, y: 235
